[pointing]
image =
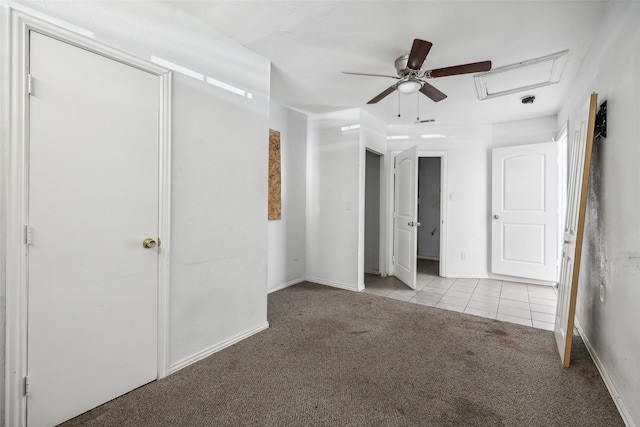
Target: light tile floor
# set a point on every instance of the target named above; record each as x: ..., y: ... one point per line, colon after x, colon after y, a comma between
x: 530, y: 305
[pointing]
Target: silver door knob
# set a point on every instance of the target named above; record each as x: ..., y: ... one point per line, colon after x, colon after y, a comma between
x: 411, y: 224
x: 496, y: 217
x: 417, y: 224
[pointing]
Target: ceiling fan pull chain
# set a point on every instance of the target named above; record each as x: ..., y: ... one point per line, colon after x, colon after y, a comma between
x: 418, y: 106
x: 398, y: 104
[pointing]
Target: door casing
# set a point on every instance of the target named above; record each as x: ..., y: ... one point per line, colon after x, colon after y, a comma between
x: 16, y: 270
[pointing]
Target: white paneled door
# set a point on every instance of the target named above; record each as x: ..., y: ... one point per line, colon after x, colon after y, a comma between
x: 93, y: 200
x: 525, y: 211
x: 406, y: 216
x: 579, y: 166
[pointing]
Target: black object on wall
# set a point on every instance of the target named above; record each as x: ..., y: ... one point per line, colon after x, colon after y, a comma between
x: 601, y: 121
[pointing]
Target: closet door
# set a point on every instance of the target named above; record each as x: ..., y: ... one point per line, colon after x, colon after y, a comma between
x: 93, y: 201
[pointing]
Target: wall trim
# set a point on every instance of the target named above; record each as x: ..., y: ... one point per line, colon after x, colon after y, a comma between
x: 344, y: 286
x: 215, y: 348
x: 613, y: 391
x: 286, y: 285
x: 468, y: 276
x: 521, y: 280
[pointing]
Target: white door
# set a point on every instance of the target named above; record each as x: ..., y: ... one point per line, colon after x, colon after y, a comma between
x: 93, y: 199
x: 525, y: 211
x: 406, y: 216
x: 579, y: 167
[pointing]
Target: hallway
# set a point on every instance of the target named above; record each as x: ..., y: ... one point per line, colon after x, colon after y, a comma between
x: 521, y: 303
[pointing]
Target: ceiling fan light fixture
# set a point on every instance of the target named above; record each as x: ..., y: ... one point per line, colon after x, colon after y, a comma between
x: 409, y: 86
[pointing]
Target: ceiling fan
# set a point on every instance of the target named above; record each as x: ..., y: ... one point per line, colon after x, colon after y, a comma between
x: 411, y: 79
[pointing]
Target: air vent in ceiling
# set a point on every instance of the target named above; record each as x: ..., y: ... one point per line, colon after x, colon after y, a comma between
x: 522, y: 76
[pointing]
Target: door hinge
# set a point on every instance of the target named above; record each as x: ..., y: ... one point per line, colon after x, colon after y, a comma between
x: 27, y: 234
x: 29, y: 84
x: 27, y: 385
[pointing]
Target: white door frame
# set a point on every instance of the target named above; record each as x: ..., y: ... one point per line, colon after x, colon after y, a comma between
x: 17, y: 198
x: 443, y: 208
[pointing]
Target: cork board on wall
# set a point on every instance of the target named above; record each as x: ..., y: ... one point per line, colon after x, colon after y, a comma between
x: 275, y: 194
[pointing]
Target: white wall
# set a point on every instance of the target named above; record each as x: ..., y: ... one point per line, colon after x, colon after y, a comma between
x: 373, y: 137
x: 287, y: 236
x: 336, y: 195
x: 333, y: 183
x: 468, y: 150
x: 532, y: 131
x: 218, y: 284
x: 611, y: 253
x: 468, y: 223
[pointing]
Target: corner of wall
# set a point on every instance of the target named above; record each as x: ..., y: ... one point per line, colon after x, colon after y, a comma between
x: 287, y: 236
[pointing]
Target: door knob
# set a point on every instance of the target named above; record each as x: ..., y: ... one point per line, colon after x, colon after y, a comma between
x: 417, y: 224
x: 496, y: 217
x: 411, y: 224
x: 149, y: 243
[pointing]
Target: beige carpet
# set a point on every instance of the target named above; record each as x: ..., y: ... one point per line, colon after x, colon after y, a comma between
x: 340, y: 358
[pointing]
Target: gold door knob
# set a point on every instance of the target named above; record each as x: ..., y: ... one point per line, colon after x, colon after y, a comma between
x: 149, y: 243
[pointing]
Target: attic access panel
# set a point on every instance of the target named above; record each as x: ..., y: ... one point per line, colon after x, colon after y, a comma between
x: 520, y: 77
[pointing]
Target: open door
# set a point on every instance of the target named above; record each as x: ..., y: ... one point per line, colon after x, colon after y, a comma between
x: 579, y: 166
x: 405, y: 225
x: 525, y: 211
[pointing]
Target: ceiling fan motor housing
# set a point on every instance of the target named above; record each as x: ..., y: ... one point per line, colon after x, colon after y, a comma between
x: 401, y: 64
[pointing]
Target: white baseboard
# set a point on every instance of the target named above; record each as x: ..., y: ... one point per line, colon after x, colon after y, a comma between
x: 613, y: 391
x: 521, y: 280
x: 286, y: 285
x: 466, y: 276
x: 333, y: 284
x: 215, y: 348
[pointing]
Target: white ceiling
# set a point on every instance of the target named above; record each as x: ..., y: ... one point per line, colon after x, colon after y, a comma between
x: 310, y: 42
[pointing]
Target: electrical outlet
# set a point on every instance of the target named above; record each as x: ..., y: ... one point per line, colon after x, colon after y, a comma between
x: 603, y: 293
